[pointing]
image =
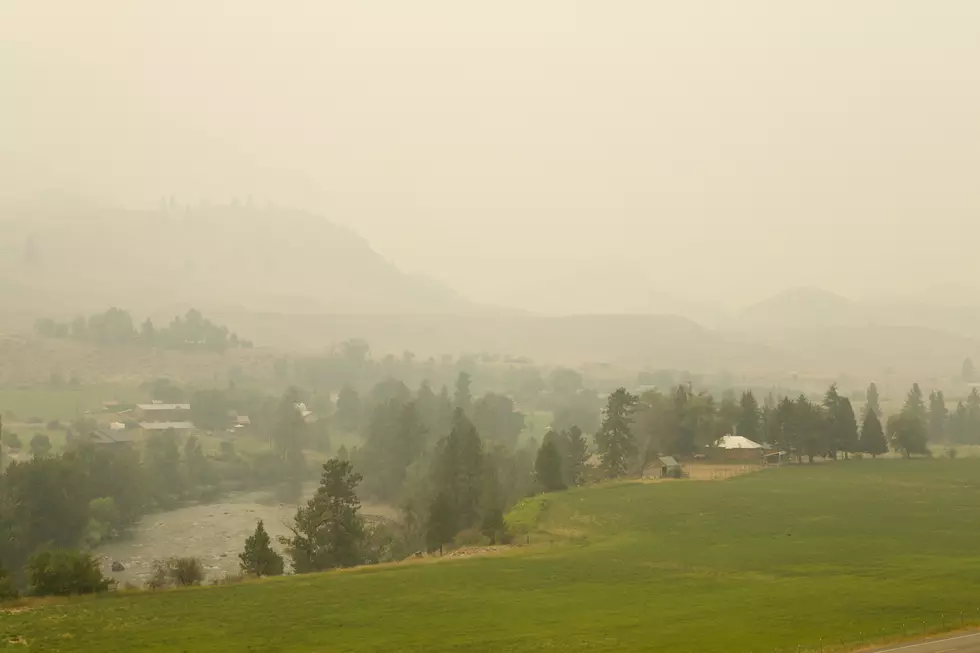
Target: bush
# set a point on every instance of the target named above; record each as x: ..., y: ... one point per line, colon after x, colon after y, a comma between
x: 951, y: 453
x: 176, y: 572
x: 54, y: 425
x: 7, y: 589
x: 103, y: 521
x: 63, y: 573
x: 228, y: 451
x: 469, y: 537
x: 12, y: 440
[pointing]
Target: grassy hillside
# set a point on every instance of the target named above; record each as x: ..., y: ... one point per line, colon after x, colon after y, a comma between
x: 840, y: 553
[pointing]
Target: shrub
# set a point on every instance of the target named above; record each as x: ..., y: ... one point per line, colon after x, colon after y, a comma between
x: 228, y: 451
x: 54, y: 425
x: 103, y: 520
x: 63, y: 573
x: 469, y: 537
x: 7, y: 589
x: 951, y: 453
x: 176, y: 572
x: 12, y: 440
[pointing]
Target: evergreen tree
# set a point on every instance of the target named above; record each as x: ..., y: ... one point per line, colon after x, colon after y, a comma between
x: 548, y: 467
x: 915, y: 404
x: 615, y: 440
x: 959, y: 424
x: 872, y: 436
x: 259, y: 558
x: 458, y: 473
x: 873, y: 404
x: 576, y: 455
x: 198, y: 467
x: 749, y: 425
x: 968, y: 372
x: 938, y: 415
x: 40, y: 445
x: 831, y: 403
x: 463, y: 398
x: 328, y: 532
x: 7, y: 589
x: 972, y: 427
x: 427, y: 403
x: 846, y: 428
x: 441, y: 524
x: 395, y: 440
x: 907, y: 433
x: 813, y: 428
x: 288, y: 433
x: 348, y: 414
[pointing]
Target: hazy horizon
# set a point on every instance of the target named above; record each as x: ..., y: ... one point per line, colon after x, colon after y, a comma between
x: 706, y: 152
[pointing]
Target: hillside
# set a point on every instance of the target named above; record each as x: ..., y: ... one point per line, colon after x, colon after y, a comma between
x: 800, y: 307
x: 778, y: 560
x: 66, y: 259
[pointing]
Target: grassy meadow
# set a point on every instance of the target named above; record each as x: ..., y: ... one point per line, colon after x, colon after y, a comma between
x: 831, y: 556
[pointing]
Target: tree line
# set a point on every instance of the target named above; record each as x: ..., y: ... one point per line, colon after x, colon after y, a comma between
x: 116, y: 327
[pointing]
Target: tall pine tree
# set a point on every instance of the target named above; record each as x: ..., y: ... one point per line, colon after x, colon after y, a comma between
x: 615, y: 440
x: 872, y: 435
x: 328, y: 531
x: 749, y: 418
x: 259, y: 558
x: 458, y: 478
x: 548, y: 467
x: 938, y: 414
x: 873, y: 404
x: 576, y: 455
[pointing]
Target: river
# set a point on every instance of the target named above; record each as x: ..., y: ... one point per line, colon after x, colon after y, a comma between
x: 214, y: 533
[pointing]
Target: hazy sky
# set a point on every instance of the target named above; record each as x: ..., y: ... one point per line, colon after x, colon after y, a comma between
x: 720, y: 149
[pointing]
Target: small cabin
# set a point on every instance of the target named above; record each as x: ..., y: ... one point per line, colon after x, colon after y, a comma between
x: 670, y: 468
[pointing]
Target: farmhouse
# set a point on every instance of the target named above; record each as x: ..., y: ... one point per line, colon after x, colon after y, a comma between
x: 112, y: 439
x: 158, y: 416
x: 737, y: 447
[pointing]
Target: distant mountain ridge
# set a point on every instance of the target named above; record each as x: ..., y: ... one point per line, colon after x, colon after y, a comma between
x: 226, y: 256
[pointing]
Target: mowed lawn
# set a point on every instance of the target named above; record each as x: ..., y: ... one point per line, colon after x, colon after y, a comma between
x: 831, y: 555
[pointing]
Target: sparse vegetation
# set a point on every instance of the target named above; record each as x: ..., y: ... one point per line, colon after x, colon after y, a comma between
x: 64, y: 573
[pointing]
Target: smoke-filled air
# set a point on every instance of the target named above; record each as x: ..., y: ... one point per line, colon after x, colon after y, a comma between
x: 512, y: 326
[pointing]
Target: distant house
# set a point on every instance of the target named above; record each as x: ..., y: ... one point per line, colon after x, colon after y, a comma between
x: 737, y: 442
x: 158, y: 416
x: 113, y: 439
x: 306, y: 413
x: 664, y: 467
x: 737, y: 447
x: 670, y: 468
x: 166, y: 426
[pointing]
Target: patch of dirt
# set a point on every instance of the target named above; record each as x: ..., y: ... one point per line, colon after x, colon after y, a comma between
x: 473, y: 551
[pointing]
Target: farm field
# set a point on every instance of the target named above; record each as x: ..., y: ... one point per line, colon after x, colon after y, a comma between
x: 832, y: 556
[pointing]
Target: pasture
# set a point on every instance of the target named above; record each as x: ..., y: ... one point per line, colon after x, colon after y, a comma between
x: 828, y: 557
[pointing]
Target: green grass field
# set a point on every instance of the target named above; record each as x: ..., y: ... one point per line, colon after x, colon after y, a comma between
x: 835, y: 554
